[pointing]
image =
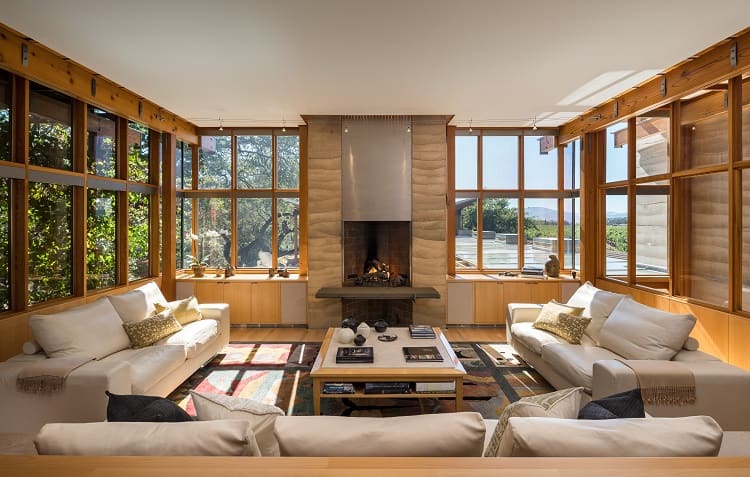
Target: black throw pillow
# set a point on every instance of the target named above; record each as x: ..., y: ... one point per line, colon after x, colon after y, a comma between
x: 135, y: 408
x: 627, y: 404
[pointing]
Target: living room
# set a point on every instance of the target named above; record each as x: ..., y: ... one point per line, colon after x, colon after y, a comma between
x: 632, y: 168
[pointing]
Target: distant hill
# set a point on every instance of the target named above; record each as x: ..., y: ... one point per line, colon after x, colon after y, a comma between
x: 546, y: 214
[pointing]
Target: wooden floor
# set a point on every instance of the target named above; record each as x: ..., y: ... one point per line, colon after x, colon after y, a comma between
x: 494, y: 335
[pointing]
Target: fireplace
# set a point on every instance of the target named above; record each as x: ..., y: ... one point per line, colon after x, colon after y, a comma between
x: 376, y: 254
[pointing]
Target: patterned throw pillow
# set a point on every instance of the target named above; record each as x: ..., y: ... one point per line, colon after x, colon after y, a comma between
x: 564, y: 404
x: 186, y: 311
x: 147, y: 332
x: 567, y: 326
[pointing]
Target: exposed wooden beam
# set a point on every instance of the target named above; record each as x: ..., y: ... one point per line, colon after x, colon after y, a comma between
x: 50, y: 68
x: 709, y: 67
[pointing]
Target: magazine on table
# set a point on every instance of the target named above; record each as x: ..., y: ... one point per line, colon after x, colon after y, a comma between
x: 422, y: 353
x: 354, y: 354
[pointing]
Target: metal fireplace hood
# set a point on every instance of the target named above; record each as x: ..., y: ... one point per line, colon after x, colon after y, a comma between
x: 376, y: 169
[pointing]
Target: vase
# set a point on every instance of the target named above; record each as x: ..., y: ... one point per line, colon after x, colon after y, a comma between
x: 198, y: 270
x: 381, y: 326
x: 363, y: 329
x: 345, y: 336
x: 359, y: 340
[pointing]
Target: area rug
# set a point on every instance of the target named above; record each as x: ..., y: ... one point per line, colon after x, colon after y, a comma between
x: 279, y: 374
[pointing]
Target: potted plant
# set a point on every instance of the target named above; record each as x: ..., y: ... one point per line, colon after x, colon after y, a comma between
x: 198, y: 266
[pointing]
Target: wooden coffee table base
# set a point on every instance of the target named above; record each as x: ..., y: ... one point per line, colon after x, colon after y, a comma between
x: 452, y: 372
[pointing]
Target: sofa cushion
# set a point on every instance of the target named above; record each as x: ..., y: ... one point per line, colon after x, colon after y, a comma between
x: 137, y: 304
x: 575, y: 362
x: 569, y: 326
x: 150, y: 365
x: 194, y: 337
x: 533, y: 338
x: 186, y: 311
x: 458, y: 434
x: 261, y: 417
x: 138, y: 408
x: 564, y: 403
x: 637, y: 331
x: 147, y: 332
x: 628, y: 404
x: 597, y: 304
x: 210, y: 438
x: 653, y: 437
x: 93, y: 329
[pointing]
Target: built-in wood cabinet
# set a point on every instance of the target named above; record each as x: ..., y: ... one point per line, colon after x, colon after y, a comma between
x: 485, y: 301
x: 252, y: 301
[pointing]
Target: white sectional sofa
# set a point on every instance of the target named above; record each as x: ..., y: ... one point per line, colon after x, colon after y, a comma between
x: 641, y: 332
x: 96, y: 330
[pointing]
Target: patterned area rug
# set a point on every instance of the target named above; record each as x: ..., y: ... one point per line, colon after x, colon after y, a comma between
x: 279, y: 374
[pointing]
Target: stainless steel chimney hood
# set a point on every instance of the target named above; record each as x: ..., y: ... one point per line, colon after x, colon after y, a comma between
x: 376, y: 169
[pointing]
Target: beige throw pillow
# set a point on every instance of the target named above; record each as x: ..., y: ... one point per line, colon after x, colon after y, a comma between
x: 564, y: 404
x: 261, y: 416
x: 186, y: 311
x: 567, y: 326
x: 147, y: 332
x: 597, y: 304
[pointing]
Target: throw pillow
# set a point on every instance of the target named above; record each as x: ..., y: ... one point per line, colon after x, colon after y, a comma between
x: 262, y: 417
x: 186, y: 311
x: 568, y: 326
x: 628, y: 404
x: 597, y: 304
x: 564, y: 403
x: 137, y: 408
x: 147, y: 332
x: 636, y: 331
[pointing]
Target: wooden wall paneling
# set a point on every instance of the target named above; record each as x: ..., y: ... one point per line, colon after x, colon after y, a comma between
x: 169, y: 217
x: 711, y: 328
x: 56, y: 71
x: 450, y: 200
x: 14, y: 331
x: 265, y: 304
x: 19, y: 246
x: 303, y: 197
x: 739, y: 338
x: 488, y: 302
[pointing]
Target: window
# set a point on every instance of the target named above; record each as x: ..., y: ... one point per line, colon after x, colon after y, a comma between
x: 487, y: 218
x: 5, y: 102
x: 572, y: 204
x: 705, y: 140
x: 616, y: 163
x: 101, y: 240
x: 50, y: 241
x: 745, y: 238
x: 651, y: 230
x: 50, y: 128
x: 101, y: 140
x: 4, y: 244
x: 652, y: 143
x: 138, y: 152
x: 261, y: 203
x: 184, y: 170
x: 138, y: 235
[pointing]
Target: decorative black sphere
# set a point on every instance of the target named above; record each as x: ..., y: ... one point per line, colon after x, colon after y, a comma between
x: 350, y: 323
x: 380, y: 326
x: 359, y: 340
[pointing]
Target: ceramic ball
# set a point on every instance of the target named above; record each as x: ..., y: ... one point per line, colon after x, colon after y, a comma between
x: 345, y: 336
x: 363, y: 329
x: 359, y: 340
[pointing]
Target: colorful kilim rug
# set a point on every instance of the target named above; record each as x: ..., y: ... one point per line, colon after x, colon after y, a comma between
x: 279, y: 374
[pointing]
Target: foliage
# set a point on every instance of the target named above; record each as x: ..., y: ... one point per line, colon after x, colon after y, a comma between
x: 138, y: 234
x: 101, y: 144
x: 498, y: 215
x: 617, y: 237
x: 101, y: 240
x: 138, y: 152
x: 4, y: 243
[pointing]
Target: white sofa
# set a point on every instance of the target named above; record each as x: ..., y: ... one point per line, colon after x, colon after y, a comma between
x: 721, y: 389
x: 96, y: 330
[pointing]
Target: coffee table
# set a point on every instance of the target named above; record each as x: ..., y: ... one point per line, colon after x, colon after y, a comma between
x: 389, y: 366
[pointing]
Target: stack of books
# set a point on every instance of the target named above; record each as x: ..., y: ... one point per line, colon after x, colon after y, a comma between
x: 422, y: 332
x: 387, y: 388
x: 338, y: 388
x: 422, y: 353
x: 354, y: 354
x: 530, y: 271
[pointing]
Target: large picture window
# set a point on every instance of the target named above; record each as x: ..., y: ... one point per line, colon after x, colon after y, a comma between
x: 101, y: 243
x: 252, y: 221
x: 50, y: 128
x: 504, y: 221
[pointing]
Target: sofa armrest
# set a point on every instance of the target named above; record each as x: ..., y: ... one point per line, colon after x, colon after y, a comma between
x: 218, y: 312
x: 720, y: 391
x: 522, y: 312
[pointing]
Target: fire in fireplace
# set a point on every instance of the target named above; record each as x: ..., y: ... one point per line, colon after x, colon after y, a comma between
x: 377, y: 274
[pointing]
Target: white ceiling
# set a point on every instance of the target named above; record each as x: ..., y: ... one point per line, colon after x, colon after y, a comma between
x: 494, y: 63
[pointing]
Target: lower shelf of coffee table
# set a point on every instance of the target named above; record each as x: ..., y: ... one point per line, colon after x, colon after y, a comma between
x: 359, y: 393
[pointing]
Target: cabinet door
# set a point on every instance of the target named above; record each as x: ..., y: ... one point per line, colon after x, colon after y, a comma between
x: 542, y: 292
x: 209, y: 292
x: 265, y: 303
x: 461, y: 303
x: 294, y: 303
x: 237, y: 296
x: 488, y: 299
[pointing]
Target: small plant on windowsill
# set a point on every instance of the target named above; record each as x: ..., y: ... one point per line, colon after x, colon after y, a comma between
x: 198, y: 266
